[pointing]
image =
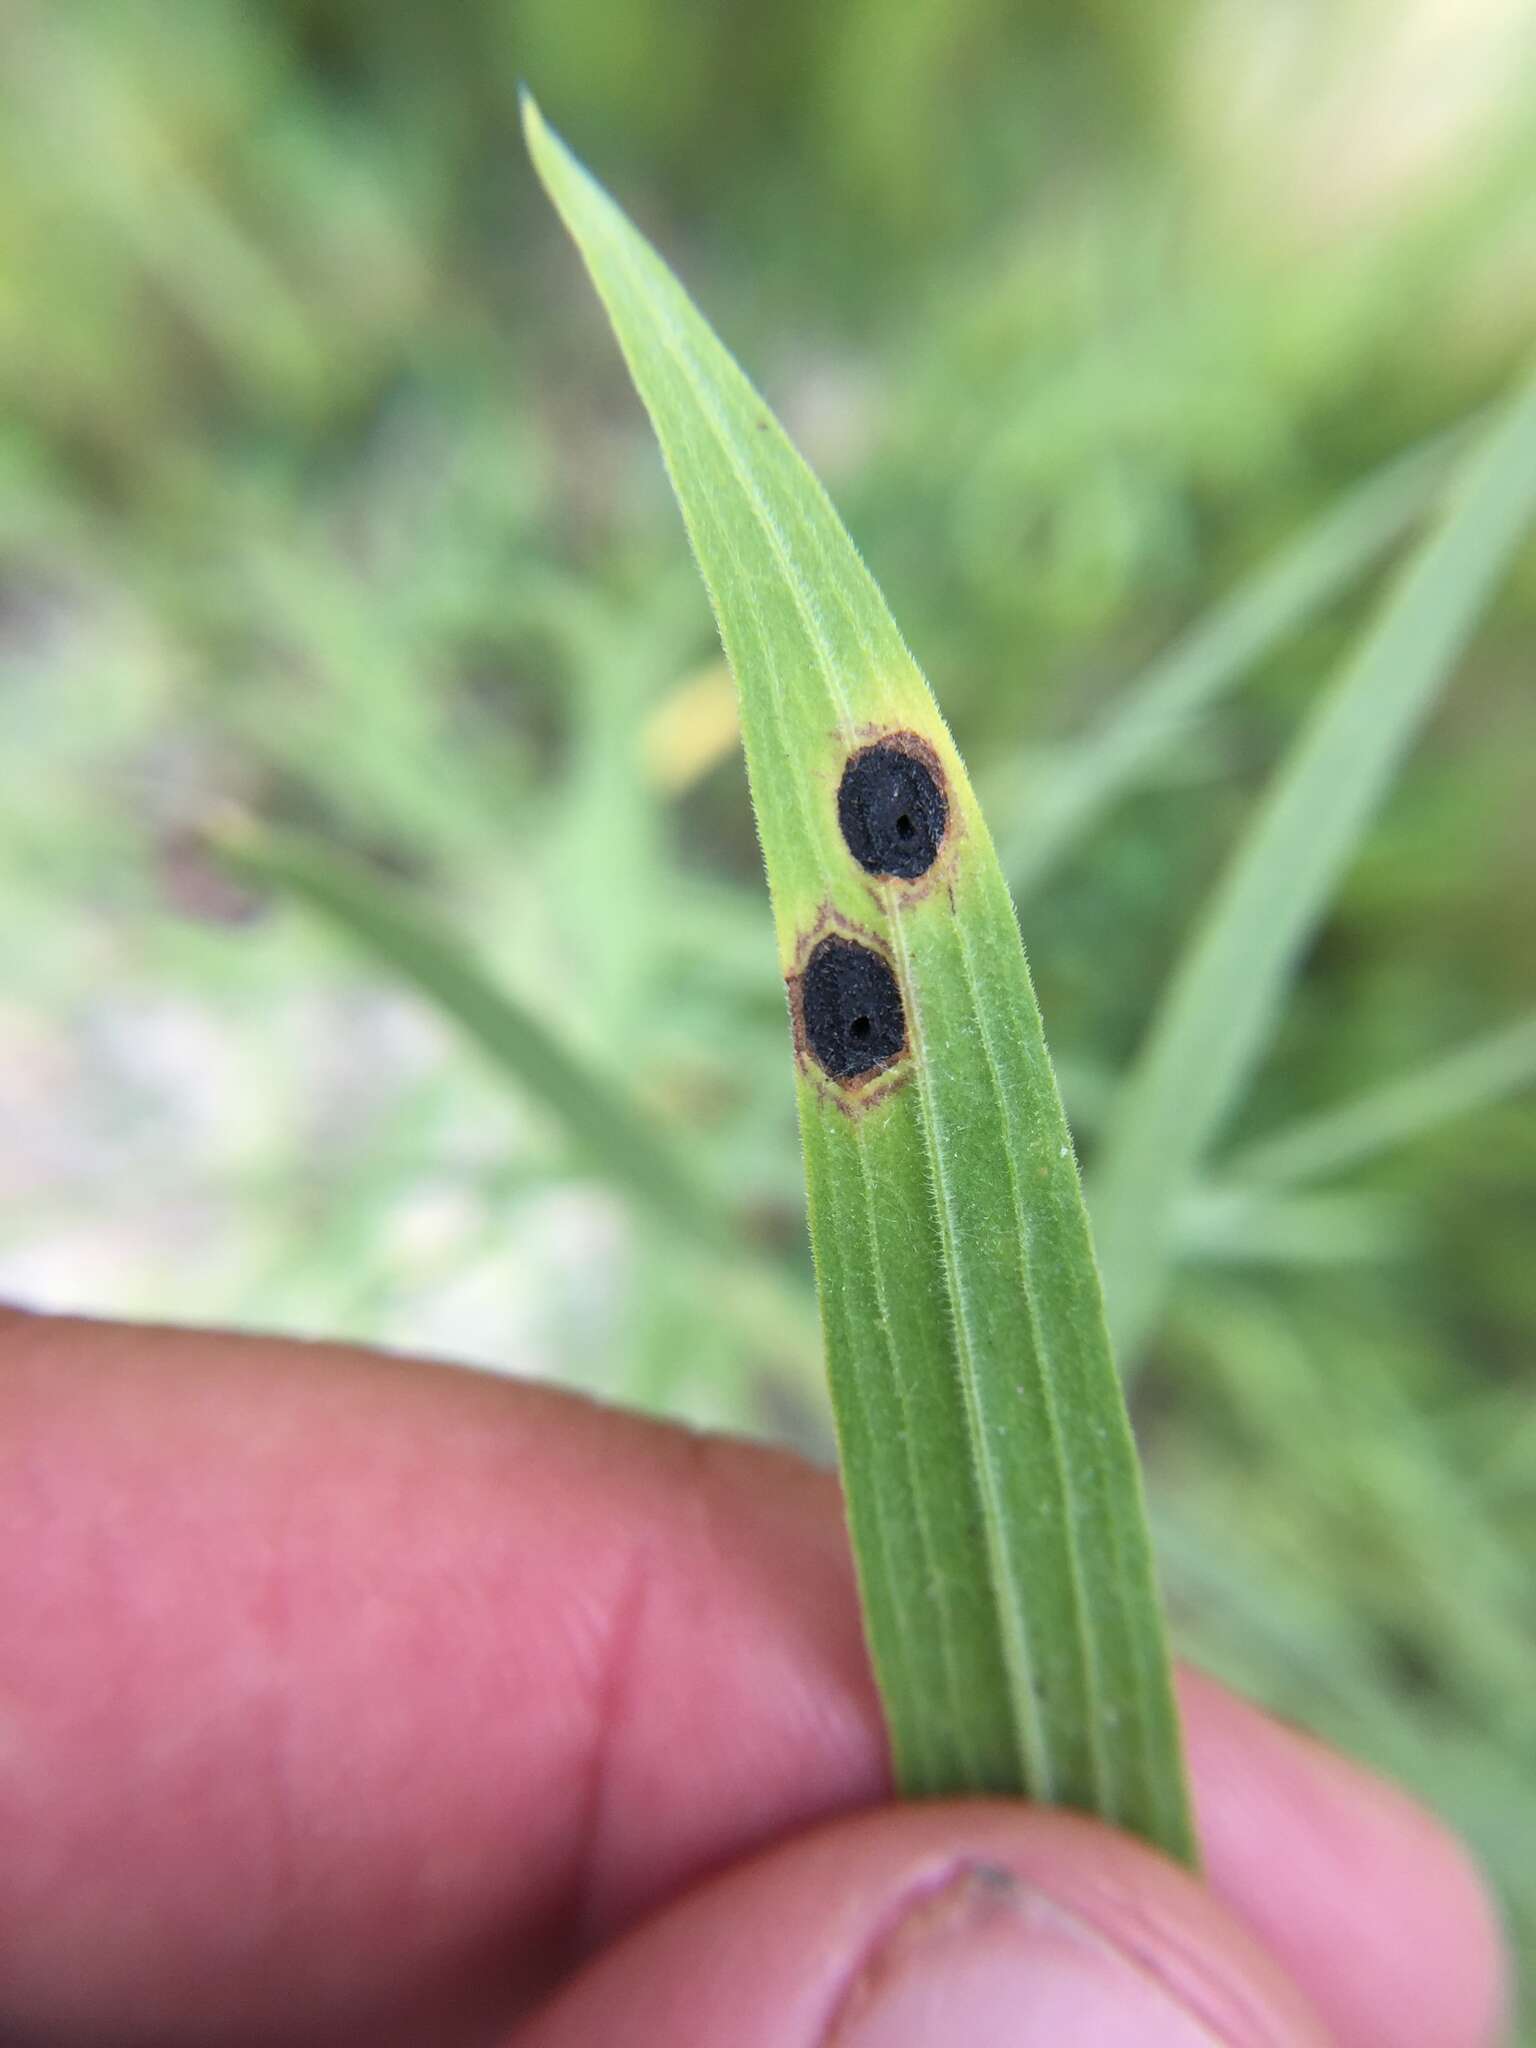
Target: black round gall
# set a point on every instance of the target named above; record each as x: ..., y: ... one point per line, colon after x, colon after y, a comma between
x: 891, y: 807
x: 851, y: 1009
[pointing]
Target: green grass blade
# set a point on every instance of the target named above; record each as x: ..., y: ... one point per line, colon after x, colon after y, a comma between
x: 1220, y: 1009
x: 597, y: 1115
x: 1317, y: 1147
x: 1084, y: 777
x: 992, y: 1484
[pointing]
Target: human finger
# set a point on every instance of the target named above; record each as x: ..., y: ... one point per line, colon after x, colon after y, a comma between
x: 349, y: 1695
x: 992, y: 1925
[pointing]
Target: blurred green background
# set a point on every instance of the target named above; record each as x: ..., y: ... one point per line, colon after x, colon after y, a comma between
x: 324, y: 502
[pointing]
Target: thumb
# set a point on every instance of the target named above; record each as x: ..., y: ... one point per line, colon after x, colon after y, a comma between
x: 987, y: 1925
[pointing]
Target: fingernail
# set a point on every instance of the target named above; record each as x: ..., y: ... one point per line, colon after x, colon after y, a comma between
x: 985, y: 1960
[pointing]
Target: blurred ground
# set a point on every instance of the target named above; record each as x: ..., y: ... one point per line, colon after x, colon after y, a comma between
x: 322, y: 494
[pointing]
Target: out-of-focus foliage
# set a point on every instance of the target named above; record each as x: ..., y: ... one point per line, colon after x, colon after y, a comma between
x: 322, y: 498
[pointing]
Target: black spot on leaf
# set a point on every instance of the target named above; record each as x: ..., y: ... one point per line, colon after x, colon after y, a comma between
x: 892, y: 810
x: 851, y: 1008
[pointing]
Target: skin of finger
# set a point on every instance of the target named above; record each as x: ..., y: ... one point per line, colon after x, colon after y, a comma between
x: 1376, y: 1908
x: 338, y: 1692
x: 791, y: 1949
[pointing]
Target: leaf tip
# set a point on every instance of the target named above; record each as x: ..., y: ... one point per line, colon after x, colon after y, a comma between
x: 545, y: 146
x: 535, y: 130
x: 560, y: 172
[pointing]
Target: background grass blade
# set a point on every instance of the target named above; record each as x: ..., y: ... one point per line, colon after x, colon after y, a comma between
x: 1228, y: 1224
x: 1083, y: 778
x: 991, y: 1480
x: 1220, y: 1008
x: 1315, y: 1147
x: 607, y: 1127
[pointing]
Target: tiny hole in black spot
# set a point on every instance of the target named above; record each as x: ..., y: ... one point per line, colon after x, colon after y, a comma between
x: 851, y: 1008
x: 892, y: 810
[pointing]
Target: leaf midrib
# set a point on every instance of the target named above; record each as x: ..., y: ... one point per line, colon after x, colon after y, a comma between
x: 1034, y: 1750
x: 1061, y: 1464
